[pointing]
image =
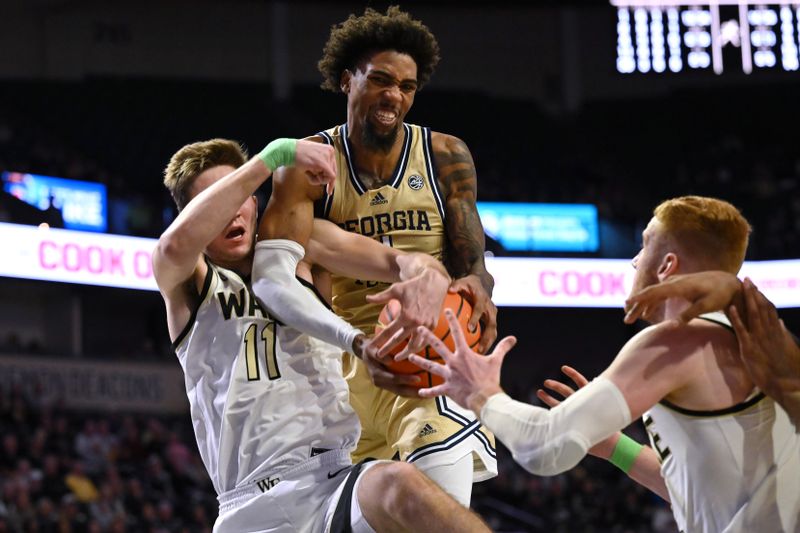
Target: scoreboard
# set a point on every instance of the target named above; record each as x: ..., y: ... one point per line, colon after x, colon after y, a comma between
x: 719, y: 35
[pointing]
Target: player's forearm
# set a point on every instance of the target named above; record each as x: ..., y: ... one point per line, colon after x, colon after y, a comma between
x: 646, y: 471
x: 465, y: 251
x: 548, y: 442
x: 350, y: 254
x: 487, y: 280
x: 789, y: 398
x: 209, y: 212
x: 638, y: 461
x: 790, y: 402
x: 465, y: 237
x: 415, y: 264
x: 782, y: 381
x: 275, y: 284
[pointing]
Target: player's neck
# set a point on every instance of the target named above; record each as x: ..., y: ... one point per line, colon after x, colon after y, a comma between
x: 243, y: 267
x: 672, y: 308
x: 375, y: 166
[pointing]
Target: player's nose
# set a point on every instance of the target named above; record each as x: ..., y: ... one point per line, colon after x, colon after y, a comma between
x: 393, y: 93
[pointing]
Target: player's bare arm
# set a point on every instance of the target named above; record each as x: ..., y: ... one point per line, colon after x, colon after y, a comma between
x: 768, y: 350
x: 655, y: 363
x: 350, y: 254
x: 465, y: 239
x: 712, y: 290
x: 645, y: 467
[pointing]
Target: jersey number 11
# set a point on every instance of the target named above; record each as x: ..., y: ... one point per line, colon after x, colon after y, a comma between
x: 251, y: 352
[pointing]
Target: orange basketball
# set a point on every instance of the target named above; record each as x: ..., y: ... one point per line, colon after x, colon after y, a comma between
x: 463, y: 311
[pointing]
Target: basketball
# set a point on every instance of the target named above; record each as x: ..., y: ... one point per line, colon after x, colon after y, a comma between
x: 463, y: 311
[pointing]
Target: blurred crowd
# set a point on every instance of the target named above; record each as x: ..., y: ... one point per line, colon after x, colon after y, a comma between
x: 69, y: 472
x: 91, y: 472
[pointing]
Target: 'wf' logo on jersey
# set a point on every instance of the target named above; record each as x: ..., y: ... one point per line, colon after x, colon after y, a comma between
x: 267, y: 483
x: 243, y: 304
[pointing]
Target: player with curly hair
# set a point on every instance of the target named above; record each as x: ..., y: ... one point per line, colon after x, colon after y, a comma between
x: 413, y: 189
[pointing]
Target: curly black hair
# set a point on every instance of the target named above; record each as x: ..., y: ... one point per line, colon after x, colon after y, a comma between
x: 354, y: 39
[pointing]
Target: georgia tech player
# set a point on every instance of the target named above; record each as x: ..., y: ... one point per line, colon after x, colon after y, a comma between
x: 268, y: 402
x: 412, y: 189
x: 728, y: 454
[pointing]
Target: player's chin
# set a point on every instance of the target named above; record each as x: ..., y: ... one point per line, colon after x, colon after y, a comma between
x: 235, y: 252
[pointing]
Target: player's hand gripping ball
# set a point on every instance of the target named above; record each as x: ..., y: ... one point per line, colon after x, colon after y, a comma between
x: 462, y: 309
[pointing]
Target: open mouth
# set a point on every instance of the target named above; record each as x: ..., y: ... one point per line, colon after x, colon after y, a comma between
x: 387, y: 118
x: 235, y: 233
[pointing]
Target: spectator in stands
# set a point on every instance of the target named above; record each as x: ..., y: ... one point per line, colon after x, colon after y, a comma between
x: 81, y: 486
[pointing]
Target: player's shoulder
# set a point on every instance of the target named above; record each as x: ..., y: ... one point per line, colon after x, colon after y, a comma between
x: 678, y: 338
x: 325, y: 136
x: 447, y: 142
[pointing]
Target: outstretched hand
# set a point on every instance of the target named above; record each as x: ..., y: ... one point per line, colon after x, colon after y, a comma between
x: 602, y: 449
x: 483, y: 309
x: 469, y: 377
x: 318, y: 161
x: 420, y: 301
x: 713, y: 290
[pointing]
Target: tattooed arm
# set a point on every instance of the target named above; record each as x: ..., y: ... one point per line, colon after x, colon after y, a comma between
x: 465, y: 240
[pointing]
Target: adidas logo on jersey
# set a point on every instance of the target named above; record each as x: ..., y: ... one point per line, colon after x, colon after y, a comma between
x: 427, y: 430
x: 378, y: 199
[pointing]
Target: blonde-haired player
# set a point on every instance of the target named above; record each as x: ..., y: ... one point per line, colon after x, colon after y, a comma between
x: 729, y: 455
x: 268, y: 402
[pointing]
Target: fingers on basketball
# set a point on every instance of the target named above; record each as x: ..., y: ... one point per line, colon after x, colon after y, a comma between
x: 462, y: 311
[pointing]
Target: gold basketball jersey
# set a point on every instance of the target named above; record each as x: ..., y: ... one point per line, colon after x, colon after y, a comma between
x: 407, y: 213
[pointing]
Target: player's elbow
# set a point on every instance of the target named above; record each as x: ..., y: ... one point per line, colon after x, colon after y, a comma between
x: 554, y: 458
x: 171, y: 248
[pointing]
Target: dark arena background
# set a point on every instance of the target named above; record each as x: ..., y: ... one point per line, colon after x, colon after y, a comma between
x: 581, y: 117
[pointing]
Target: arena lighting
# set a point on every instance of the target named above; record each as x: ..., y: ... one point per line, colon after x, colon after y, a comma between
x: 660, y: 37
x: 48, y: 254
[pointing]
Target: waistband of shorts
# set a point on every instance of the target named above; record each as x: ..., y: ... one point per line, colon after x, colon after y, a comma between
x: 235, y: 497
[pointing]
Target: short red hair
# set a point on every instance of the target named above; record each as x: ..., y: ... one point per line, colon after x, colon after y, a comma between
x: 713, y: 232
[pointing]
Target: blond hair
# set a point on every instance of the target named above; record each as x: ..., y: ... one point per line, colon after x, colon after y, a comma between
x: 713, y: 232
x: 193, y: 159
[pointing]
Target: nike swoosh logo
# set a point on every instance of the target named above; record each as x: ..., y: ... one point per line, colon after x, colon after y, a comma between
x: 332, y: 475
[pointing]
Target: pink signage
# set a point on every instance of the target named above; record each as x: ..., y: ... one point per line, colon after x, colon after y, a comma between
x: 119, y: 261
x: 77, y: 257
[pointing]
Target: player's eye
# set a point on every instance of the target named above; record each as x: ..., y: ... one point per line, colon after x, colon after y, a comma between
x: 381, y: 81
